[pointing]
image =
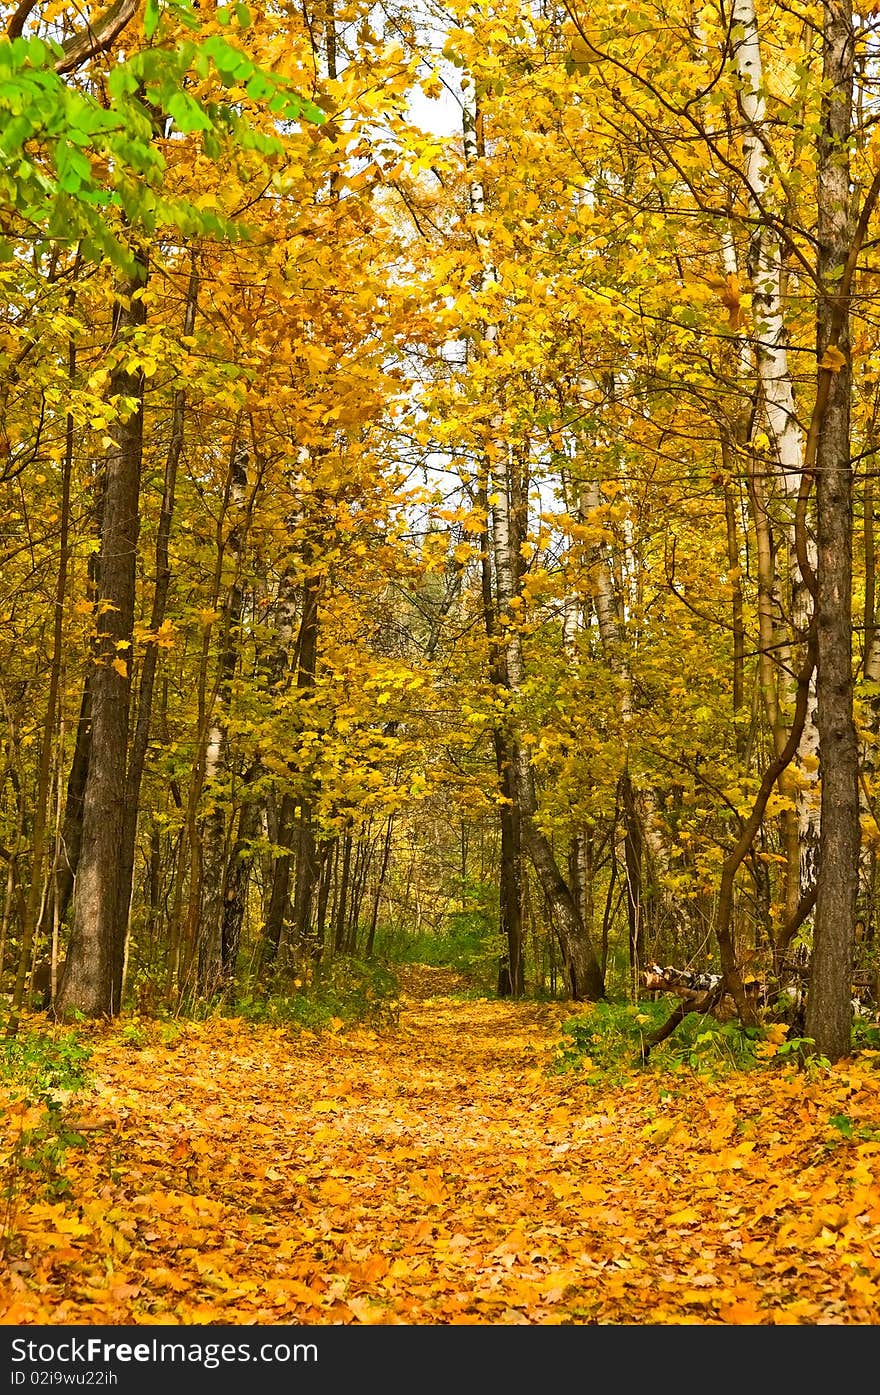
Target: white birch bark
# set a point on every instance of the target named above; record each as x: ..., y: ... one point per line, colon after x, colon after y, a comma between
x: 613, y: 645
x: 777, y: 390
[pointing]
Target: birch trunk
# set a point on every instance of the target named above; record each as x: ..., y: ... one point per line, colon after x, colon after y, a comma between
x: 511, y: 971
x: 777, y: 393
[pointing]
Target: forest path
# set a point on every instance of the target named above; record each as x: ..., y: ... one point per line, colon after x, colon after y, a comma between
x: 439, y: 1173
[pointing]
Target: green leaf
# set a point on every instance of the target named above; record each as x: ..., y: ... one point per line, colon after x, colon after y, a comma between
x: 259, y: 87
x: 243, y: 15
x: 843, y: 1123
x: 151, y: 18
x: 74, y: 170
x: 37, y: 52
x: 187, y: 114
x: 121, y: 81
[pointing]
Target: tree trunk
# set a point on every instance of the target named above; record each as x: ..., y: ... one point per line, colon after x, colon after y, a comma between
x: 829, y: 1011
x: 305, y: 656
x: 141, y: 737
x: 511, y: 966
x: 307, y: 866
x: 280, y: 889
x: 511, y: 971
x: 582, y: 966
x: 210, y: 971
x: 218, y: 770
x: 767, y: 273
x: 43, y: 793
x: 380, y: 882
x: 92, y: 978
x: 342, y: 899
x: 307, y: 872
x: 327, y: 857
x: 632, y: 859
x: 236, y: 887
x: 64, y: 873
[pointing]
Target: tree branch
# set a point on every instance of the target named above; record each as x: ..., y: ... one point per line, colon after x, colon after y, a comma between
x: 19, y: 19
x: 96, y: 37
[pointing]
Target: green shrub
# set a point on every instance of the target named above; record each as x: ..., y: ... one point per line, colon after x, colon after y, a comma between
x: 41, y: 1065
x: 467, y: 942
x: 43, y: 1072
x: 607, y: 1040
x: 350, y: 991
x: 866, y: 1034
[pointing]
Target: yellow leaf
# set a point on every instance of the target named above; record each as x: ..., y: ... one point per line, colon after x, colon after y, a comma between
x: 832, y: 359
x: 742, y: 1312
x: 335, y: 1192
x: 376, y: 1267
x: 686, y: 1216
x: 582, y: 54
x: 659, y: 1131
x: 429, y: 1188
x: 753, y: 1250
x: 121, y: 667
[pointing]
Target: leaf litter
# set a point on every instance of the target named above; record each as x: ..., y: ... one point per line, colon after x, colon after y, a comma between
x: 439, y: 1173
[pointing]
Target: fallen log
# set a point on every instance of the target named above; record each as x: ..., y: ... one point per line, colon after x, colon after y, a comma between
x: 707, y: 993
x: 690, y: 1002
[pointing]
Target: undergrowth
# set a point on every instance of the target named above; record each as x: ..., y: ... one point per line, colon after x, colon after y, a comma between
x: 343, y: 991
x: 606, y: 1042
x: 467, y: 942
x: 40, y: 1065
x: 340, y: 989
x: 39, y: 1073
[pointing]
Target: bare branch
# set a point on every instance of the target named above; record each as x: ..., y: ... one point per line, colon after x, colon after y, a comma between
x: 19, y: 19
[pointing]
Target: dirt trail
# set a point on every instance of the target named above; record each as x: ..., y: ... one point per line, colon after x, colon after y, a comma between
x: 438, y: 1173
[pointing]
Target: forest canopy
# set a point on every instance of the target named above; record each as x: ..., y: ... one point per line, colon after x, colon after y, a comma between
x: 452, y: 528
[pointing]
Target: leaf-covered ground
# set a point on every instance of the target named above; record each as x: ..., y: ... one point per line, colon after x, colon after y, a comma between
x: 438, y: 1173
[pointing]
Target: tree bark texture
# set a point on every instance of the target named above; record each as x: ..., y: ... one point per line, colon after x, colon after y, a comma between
x: 146, y: 687
x: 829, y: 1011
x: 92, y: 978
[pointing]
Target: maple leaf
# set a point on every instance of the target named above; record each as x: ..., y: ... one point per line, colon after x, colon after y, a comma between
x: 833, y: 359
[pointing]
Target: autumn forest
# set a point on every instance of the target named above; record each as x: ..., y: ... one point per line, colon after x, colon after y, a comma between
x: 439, y: 662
